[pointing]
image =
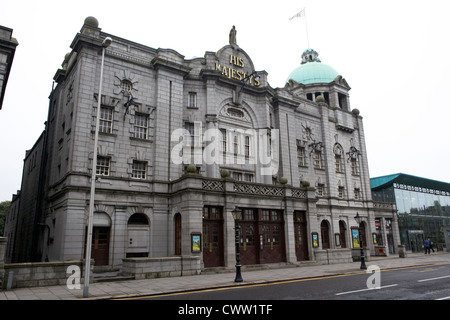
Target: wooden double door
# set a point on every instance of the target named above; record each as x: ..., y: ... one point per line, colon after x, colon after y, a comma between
x: 262, y: 236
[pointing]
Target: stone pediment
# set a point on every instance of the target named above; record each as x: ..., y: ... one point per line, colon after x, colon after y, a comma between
x: 341, y: 81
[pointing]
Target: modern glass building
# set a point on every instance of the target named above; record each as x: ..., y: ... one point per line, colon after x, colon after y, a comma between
x: 423, y: 207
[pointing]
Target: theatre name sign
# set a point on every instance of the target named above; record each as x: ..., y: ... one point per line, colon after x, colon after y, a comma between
x: 236, y: 67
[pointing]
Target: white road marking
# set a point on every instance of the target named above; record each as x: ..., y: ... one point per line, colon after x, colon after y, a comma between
x: 433, y: 279
x: 377, y: 288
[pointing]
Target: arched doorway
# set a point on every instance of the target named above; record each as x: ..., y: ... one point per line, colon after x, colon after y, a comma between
x: 325, y: 234
x: 138, y: 240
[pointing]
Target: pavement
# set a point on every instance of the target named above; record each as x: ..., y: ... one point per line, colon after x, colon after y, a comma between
x: 131, y: 288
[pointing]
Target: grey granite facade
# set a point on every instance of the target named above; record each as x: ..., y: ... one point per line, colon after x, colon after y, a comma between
x: 181, y: 143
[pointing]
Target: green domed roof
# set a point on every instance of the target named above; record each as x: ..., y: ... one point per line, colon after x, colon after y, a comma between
x: 312, y: 70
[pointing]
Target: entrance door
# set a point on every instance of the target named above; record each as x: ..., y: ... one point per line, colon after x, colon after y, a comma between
x: 363, y: 234
x: 272, y: 230
x: 301, y: 239
x: 178, y: 234
x: 325, y: 232
x: 390, y: 240
x: 342, y: 234
x: 100, y: 245
x: 249, y: 237
x: 262, y: 236
x: 213, y: 252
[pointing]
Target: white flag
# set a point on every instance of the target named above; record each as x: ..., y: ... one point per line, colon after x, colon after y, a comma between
x: 298, y: 15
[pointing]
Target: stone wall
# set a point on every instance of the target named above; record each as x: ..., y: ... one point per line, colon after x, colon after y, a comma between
x: 148, y: 268
x: 41, y: 274
x: 332, y: 256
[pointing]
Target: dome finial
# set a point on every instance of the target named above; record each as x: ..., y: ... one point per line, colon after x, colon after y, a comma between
x: 310, y: 55
x: 91, y: 21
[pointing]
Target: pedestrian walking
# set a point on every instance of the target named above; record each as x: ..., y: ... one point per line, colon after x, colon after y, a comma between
x: 431, y: 246
x: 427, y: 243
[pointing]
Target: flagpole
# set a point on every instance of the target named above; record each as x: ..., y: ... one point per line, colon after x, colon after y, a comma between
x: 306, y: 26
x: 299, y: 15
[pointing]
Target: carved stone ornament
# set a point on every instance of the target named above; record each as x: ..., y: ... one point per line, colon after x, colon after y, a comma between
x: 125, y: 83
x: 235, y: 113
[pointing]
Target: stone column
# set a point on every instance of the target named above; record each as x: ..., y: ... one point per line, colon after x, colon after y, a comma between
x: 289, y: 207
x: 229, y: 224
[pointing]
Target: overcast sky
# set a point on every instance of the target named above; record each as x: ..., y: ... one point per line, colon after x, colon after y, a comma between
x: 394, y: 54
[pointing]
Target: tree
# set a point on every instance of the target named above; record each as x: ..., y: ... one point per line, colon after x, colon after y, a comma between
x: 4, y: 208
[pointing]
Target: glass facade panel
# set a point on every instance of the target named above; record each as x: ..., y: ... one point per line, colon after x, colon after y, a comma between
x: 421, y: 211
x: 399, y: 201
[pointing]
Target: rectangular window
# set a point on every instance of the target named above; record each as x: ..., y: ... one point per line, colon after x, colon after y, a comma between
x: 320, y: 190
x: 276, y: 215
x: 247, y: 146
x: 248, y: 177
x: 355, y: 170
x: 106, y: 120
x: 193, y: 138
x: 318, y: 160
x: 140, y: 126
x: 237, y: 176
x: 192, y: 100
x: 103, y: 166
x: 249, y: 214
x: 357, y: 194
x: 139, y: 170
x: 223, y: 143
x: 301, y: 156
x: 341, y: 192
x: 189, y: 126
x: 338, y: 159
x: 235, y: 145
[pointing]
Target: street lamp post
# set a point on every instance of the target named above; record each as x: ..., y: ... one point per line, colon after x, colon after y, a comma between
x: 358, y: 219
x: 237, y: 215
x: 106, y: 43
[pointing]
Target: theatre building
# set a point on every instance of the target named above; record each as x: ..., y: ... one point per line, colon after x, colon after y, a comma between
x: 182, y: 143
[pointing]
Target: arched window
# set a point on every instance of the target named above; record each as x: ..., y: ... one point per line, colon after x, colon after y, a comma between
x: 138, y: 218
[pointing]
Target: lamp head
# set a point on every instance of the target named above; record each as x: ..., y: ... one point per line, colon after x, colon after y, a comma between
x: 236, y: 213
x: 107, y: 42
x: 358, y: 218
